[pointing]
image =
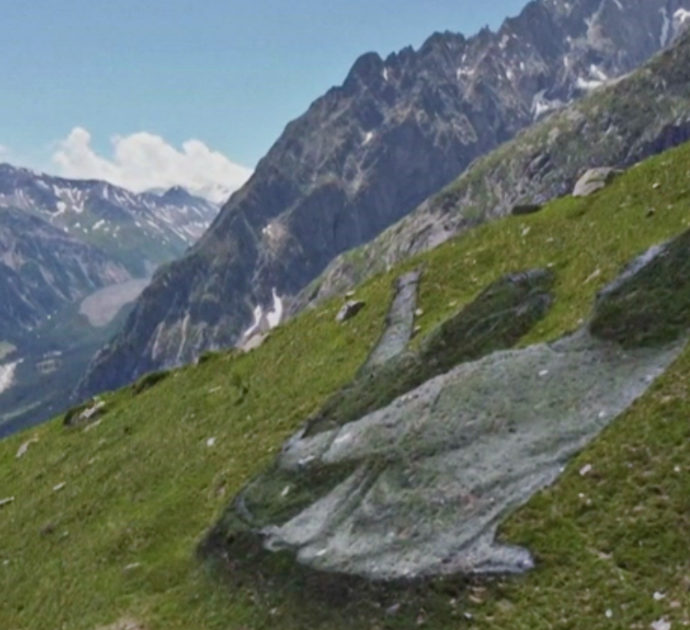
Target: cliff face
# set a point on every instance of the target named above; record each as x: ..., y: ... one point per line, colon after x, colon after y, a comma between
x: 618, y: 125
x: 366, y: 154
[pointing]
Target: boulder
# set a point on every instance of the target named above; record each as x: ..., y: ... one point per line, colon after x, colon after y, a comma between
x: 349, y: 310
x: 593, y: 180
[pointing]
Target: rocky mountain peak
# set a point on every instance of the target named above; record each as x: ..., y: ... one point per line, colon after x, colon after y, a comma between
x: 367, y: 153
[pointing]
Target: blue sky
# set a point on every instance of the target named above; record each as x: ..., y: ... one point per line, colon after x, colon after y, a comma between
x: 228, y: 73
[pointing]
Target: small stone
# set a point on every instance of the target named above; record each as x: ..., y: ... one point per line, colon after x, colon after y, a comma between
x: 393, y: 610
x: 593, y: 276
x: 656, y: 186
x: 585, y: 470
x: 658, y: 596
x: 124, y: 624
x: 650, y: 212
x: 661, y: 624
x: 131, y: 567
x: 349, y: 295
x: 349, y: 310
x: 6, y: 501
x: 609, y: 613
x: 211, y: 442
x: 419, y: 312
x: 21, y: 451
x: 59, y: 486
x: 47, y: 529
x: 525, y: 231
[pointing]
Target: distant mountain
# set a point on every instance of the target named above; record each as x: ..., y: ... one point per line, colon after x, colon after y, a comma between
x: 73, y: 254
x: 43, y: 269
x: 141, y: 231
x: 366, y: 154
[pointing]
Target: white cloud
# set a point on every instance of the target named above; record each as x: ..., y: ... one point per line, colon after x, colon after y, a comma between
x: 4, y: 151
x: 142, y: 161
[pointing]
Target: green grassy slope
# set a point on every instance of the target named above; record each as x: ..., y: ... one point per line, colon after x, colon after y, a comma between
x: 143, y: 486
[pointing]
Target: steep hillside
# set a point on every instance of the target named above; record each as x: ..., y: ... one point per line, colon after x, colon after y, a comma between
x: 615, y: 126
x: 366, y: 154
x: 139, y: 231
x: 100, y: 522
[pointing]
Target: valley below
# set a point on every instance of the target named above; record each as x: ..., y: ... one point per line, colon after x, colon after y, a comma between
x: 38, y: 374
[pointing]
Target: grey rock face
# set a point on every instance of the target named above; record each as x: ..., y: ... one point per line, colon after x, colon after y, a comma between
x: 399, y: 321
x: 593, y: 180
x: 460, y: 452
x: 418, y: 486
x: 366, y: 154
x: 543, y: 162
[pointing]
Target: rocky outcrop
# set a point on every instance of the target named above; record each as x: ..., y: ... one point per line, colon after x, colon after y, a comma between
x: 593, y: 180
x: 416, y: 484
x: 366, y: 154
x: 542, y: 163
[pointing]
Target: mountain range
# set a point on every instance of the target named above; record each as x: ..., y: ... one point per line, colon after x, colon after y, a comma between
x: 72, y: 254
x: 141, y: 231
x: 369, y: 152
x: 617, y: 125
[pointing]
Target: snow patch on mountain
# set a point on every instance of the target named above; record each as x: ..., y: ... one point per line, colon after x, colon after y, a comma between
x: 680, y: 17
x: 275, y: 315
x: 665, y: 27
x: 265, y: 320
x: 541, y: 105
x: 7, y: 372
